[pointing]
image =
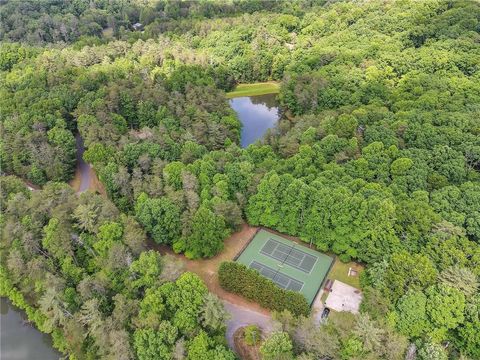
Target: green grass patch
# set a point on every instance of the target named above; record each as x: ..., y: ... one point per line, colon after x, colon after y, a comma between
x: 342, y: 319
x: 263, y: 88
x: 340, y: 272
x: 324, y: 297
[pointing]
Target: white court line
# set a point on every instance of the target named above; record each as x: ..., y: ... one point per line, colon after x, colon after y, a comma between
x: 293, y: 251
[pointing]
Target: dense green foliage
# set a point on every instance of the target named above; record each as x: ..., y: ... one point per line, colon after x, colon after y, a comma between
x: 46, y: 21
x: 342, y: 336
x: 252, y: 335
x: 377, y: 158
x: 239, y: 279
x: 80, y: 270
x: 277, y: 346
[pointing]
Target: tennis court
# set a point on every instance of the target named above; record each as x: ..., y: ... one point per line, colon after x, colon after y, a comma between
x: 288, y: 254
x: 289, y: 265
x: 284, y: 281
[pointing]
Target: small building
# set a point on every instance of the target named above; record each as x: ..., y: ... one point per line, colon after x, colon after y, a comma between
x: 328, y: 285
x: 137, y: 26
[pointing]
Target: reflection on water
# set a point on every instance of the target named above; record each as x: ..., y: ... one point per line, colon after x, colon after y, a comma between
x: 257, y: 114
x: 19, y: 340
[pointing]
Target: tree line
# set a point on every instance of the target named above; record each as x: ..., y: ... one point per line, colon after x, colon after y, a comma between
x: 239, y: 279
x: 377, y: 159
x: 82, y: 272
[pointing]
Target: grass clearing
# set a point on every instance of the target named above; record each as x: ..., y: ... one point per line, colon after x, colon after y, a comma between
x: 270, y: 87
x: 340, y: 270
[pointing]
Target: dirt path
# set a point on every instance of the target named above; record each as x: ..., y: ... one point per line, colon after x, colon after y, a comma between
x: 207, y: 268
x: 243, y: 312
x: 85, y: 177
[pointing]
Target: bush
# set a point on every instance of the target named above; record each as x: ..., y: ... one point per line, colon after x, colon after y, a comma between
x: 239, y: 279
x: 277, y: 347
x: 252, y: 335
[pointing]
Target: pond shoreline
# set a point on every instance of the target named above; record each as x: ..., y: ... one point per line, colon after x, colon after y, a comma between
x: 19, y: 326
x: 257, y: 114
x: 20, y: 338
x: 254, y: 89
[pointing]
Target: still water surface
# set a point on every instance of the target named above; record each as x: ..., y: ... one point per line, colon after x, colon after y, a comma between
x: 257, y: 114
x: 20, y: 340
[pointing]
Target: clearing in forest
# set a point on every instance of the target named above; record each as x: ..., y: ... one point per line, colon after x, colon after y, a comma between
x: 288, y: 264
x: 254, y: 89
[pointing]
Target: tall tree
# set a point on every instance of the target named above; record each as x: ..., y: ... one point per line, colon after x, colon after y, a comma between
x: 207, y: 234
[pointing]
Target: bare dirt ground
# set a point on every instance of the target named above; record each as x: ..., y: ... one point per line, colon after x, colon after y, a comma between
x: 207, y: 268
x: 242, y: 312
x: 243, y: 350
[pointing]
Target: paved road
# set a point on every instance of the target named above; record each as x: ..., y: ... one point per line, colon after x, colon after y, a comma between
x: 83, y: 169
x: 317, y: 307
x: 242, y: 316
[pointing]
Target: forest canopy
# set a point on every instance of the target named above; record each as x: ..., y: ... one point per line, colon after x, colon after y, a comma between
x: 82, y: 272
x: 376, y: 158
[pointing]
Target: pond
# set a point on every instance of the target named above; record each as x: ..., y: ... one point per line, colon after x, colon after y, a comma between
x: 20, y: 340
x: 257, y: 114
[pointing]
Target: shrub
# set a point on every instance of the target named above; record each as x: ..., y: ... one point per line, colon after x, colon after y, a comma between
x: 252, y: 335
x: 277, y: 347
x: 239, y: 279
